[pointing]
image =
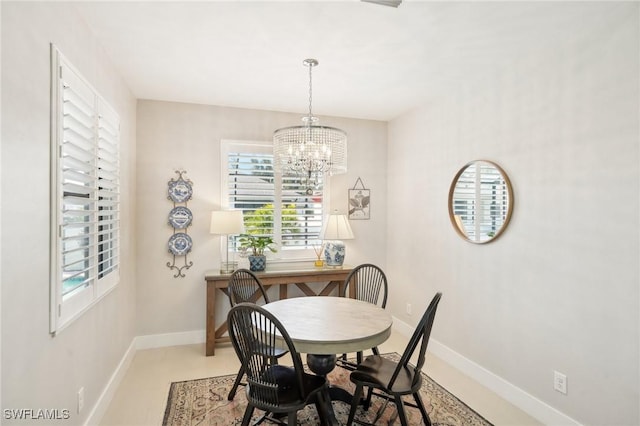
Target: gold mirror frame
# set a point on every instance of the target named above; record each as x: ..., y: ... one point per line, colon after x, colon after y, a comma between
x: 491, y: 196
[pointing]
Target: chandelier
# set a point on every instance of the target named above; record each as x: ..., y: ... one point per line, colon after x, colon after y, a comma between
x: 310, y: 150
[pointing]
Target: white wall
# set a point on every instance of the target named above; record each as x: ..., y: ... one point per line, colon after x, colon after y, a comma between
x: 40, y: 371
x: 559, y: 289
x: 175, y: 136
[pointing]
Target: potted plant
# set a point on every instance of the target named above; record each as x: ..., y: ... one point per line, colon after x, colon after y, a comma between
x: 257, y: 246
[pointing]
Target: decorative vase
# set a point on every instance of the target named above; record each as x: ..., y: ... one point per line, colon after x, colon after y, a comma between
x: 334, y: 253
x: 257, y: 263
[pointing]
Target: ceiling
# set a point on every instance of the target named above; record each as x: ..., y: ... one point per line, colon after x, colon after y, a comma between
x: 376, y: 62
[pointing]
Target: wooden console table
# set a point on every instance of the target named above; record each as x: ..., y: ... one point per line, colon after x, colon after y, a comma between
x: 282, y: 277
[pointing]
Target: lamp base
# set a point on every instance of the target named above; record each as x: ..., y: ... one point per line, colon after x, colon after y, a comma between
x: 334, y: 254
x: 228, y: 267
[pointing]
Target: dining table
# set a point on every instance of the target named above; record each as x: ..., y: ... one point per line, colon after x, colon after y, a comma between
x: 322, y: 327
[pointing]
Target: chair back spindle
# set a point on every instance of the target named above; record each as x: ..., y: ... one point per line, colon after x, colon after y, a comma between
x: 244, y: 286
x: 369, y: 283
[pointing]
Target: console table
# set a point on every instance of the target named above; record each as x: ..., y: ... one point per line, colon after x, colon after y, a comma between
x: 274, y: 275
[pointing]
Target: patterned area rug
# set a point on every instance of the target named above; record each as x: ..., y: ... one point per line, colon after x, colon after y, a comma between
x: 203, y: 402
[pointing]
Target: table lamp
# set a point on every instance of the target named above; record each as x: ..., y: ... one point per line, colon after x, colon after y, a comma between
x: 336, y: 228
x: 227, y: 222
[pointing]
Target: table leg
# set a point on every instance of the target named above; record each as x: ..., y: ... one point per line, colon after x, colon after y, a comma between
x: 323, y: 365
x: 210, y: 345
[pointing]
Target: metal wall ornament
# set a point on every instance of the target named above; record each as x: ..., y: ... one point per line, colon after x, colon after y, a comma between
x: 359, y: 202
x: 180, y: 191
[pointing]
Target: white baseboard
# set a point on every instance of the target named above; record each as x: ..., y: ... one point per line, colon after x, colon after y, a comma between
x: 151, y: 341
x: 101, y: 405
x: 516, y: 396
x: 138, y: 343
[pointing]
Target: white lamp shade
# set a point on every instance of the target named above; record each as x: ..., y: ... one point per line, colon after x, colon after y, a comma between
x: 226, y: 222
x: 337, y: 227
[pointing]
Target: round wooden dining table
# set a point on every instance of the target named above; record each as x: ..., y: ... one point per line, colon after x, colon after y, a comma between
x: 326, y: 325
x: 323, y: 326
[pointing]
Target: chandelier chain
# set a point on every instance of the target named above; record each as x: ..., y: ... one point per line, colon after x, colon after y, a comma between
x: 310, y: 89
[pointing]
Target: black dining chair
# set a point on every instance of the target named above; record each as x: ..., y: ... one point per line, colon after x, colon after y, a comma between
x: 245, y: 287
x: 273, y: 388
x: 366, y: 282
x: 395, y: 379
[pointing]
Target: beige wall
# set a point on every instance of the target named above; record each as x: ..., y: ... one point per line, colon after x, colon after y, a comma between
x: 175, y: 136
x: 38, y: 370
x: 559, y: 289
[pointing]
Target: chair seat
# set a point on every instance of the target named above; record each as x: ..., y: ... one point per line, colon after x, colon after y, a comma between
x: 377, y: 371
x: 286, y: 379
x: 274, y: 352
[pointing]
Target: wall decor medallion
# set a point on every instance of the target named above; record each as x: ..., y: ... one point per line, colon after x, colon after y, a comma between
x: 180, y: 191
x: 180, y: 244
x: 359, y: 202
x: 180, y: 217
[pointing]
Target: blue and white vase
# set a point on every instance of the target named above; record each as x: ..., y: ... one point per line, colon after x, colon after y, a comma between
x: 334, y: 253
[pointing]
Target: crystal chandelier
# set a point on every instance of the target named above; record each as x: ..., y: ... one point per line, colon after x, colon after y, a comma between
x: 310, y: 150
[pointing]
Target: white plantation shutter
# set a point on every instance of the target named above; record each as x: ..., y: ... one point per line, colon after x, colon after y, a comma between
x: 251, y: 188
x: 272, y: 204
x: 301, y: 212
x: 108, y: 190
x: 85, y: 195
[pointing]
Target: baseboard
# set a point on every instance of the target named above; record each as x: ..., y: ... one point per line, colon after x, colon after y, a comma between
x: 138, y: 343
x: 531, y: 405
x: 102, y: 404
x: 151, y: 341
x: 516, y: 396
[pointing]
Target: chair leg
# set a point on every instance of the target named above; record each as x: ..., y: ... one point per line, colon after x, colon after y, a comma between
x: 367, y: 402
x: 293, y: 418
x: 234, y: 388
x: 400, y: 408
x: 423, y: 411
x: 354, y: 404
x: 247, y: 415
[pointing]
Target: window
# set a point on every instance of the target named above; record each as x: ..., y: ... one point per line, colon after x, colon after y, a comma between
x: 287, y: 207
x: 85, y: 195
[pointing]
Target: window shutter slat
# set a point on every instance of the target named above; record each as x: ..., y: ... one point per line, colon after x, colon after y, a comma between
x: 273, y: 205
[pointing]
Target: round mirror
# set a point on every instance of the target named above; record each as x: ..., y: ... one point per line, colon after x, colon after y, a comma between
x: 480, y: 201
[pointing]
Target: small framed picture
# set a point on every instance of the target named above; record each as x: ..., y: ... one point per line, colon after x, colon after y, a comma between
x: 359, y: 202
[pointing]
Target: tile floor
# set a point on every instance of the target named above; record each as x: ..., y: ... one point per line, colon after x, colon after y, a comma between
x: 142, y: 395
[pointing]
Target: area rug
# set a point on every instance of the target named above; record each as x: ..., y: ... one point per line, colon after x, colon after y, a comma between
x: 203, y: 402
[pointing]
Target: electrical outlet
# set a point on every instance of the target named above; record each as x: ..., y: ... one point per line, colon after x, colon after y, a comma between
x: 409, y: 309
x: 560, y: 382
x: 80, y: 400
